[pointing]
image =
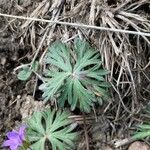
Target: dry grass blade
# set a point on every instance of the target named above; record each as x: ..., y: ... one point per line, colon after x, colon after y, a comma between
x: 77, y: 25
x: 35, y: 13
x: 92, y: 13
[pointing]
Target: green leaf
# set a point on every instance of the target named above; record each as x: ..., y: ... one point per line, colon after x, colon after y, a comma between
x: 80, y: 47
x: 74, y: 76
x: 24, y: 74
x: 105, y: 84
x: 59, y: 56
x: 141, y: 135
x: 39, y: 145
x: 51, y: 87
x: 34, y: 66
x: 51, y: 126
x: 143, y: 132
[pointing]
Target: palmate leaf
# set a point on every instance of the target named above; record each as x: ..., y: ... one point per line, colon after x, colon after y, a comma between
x: 59, y: 56
x: 75, y: 92
x: 76, y: 78
x: 51, y: 126
x: 53, y: 84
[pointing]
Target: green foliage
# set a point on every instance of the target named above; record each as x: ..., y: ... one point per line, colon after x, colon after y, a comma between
x: 24, y: 74
x: 26, y: 71
x: 75, y: 76
x: 52, y: 129
x: 143, y: 132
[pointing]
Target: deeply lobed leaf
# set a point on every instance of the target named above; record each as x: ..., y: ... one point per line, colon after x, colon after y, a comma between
x: 77, y: 78
x: 52, y: 126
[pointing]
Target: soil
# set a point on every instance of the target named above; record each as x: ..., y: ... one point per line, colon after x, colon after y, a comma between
x: 10, y: 87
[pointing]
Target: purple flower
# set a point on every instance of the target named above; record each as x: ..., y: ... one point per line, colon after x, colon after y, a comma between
x: 15, y: 138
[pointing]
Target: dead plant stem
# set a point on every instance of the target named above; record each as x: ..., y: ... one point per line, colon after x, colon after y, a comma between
x: 78, y: 25
x: 85, y: 132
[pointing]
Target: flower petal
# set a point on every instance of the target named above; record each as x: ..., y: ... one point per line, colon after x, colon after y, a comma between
x: 13, y: 135
x: 14, y: 147
x: 10, y: 143
x: 22, y: 132
x: 13, y: 144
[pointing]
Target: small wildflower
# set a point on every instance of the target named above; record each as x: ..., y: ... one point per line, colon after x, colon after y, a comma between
x: 15, y: 138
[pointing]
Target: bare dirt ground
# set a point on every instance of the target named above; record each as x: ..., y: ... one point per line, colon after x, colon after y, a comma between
x: 126, y: 56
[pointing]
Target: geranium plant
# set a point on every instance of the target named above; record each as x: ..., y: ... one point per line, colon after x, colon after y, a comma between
x: 75, y: 76
x: 51, y: 130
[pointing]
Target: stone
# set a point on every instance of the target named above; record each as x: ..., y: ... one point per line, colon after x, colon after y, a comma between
x: 139, y: 146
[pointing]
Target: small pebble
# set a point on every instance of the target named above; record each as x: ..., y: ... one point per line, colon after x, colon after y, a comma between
x: 139, y: 146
